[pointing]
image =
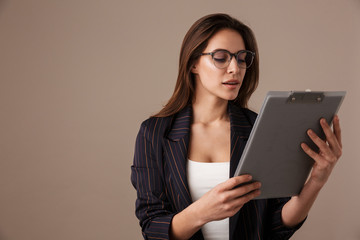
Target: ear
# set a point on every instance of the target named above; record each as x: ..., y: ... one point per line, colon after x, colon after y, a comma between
x: 194, y: 69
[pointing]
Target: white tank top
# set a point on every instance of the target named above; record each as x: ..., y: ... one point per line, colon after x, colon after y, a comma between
x: 201, y: 178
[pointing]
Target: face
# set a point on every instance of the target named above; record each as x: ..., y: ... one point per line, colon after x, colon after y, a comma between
x: 213, y: 82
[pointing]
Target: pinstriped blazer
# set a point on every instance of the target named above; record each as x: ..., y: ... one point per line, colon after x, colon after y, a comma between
x: 159, y: 176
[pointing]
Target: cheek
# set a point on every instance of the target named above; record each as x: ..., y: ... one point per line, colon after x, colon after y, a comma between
x: 210, y: 78
x: 206, y: 65
x: 208, y: 71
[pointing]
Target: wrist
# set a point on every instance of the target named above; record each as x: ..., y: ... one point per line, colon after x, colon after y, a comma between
x: 186, y: 223
x: 314, y: 185
x: 196, y: 215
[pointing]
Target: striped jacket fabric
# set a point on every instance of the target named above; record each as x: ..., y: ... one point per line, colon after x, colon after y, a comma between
x: 158, y: 174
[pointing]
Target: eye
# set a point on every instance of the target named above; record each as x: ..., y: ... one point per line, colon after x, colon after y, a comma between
x: 220, y: 60
x: 221, y: 56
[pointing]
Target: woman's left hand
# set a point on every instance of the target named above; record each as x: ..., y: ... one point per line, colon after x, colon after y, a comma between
x: 329, y: 153
x: 330, y: 150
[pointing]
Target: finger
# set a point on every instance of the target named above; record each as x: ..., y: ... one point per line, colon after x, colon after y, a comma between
x: 236, y: 204
x: 315, y: 156
x: 323, y: 147
x: 331, y: 137
x: 309, y: 152
x: 248, y: 197
x: 337, y: 129
x: 235, y: 181
x: 244, y: 190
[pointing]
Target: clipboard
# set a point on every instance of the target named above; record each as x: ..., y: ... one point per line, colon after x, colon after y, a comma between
x: 272, y: 154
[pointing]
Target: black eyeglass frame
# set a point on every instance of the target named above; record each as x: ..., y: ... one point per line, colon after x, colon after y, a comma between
x: 231, y: 56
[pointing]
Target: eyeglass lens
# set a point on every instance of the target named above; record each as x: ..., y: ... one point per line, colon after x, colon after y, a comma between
x: 222, y: 59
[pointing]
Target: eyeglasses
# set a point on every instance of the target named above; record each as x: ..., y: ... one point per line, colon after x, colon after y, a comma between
x: 222, y: 58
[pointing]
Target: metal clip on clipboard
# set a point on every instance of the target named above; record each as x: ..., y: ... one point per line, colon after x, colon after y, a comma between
x: 306, y: 97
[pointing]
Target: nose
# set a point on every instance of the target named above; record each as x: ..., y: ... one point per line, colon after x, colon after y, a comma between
x: 233, y: 66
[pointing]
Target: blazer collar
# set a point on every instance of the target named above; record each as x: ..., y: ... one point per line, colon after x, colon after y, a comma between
x: 181, y: 124
x: 240, y: 124
x: 182, y: 120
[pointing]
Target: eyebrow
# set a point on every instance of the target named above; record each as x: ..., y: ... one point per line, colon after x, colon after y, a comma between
x: 222, y: 49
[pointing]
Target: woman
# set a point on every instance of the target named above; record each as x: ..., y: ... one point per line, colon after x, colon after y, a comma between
x: 186, y: 155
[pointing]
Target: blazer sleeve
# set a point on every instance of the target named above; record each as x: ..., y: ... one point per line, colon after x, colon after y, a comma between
x: 277, y: 230
x: 152, y: 206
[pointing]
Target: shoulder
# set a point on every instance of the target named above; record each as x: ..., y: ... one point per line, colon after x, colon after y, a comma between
x: 171, y: 126
x: 155, y: 126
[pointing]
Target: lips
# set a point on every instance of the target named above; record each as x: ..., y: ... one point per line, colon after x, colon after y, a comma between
x: 231, y: 82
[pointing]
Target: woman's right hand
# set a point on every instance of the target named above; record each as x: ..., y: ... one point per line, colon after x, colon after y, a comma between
x: 226, y: 199
x: 221, y: 202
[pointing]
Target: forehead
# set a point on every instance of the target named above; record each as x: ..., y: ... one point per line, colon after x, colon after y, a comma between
x: 226, y: 39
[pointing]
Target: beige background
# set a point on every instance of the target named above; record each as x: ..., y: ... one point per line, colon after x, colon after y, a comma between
x: 77, y: 78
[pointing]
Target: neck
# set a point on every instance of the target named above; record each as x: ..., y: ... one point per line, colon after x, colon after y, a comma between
x: 210, y: 111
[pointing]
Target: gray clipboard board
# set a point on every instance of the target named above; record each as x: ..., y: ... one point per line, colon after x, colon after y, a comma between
x: 272, y: 154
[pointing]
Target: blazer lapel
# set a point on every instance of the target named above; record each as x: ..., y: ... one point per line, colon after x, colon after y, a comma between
x: 176, y: 150
x: 240, y: 131
x: 177, y: 142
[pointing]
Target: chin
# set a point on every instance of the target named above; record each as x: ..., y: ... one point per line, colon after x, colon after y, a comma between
x: 231, y: 98
x: 228, y: 96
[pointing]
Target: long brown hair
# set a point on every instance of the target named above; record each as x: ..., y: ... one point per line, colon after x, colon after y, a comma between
x: 194, y: 43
